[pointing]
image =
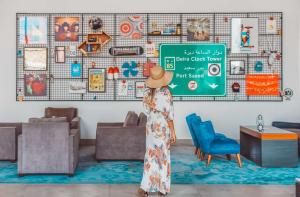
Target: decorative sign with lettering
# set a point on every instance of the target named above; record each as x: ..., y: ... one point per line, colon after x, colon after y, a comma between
x: 199, y: 69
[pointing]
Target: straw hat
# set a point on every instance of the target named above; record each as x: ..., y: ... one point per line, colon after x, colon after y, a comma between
x: 158, y: 77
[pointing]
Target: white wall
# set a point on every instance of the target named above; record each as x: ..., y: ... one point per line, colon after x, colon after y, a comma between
x: 226, y: 116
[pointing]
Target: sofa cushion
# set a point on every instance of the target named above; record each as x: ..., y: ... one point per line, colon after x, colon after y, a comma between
x: 57, y: 119
x: 224, y: 146
x: 142, y: 120
x: 70, y: 113
x: 18, y: 126
x: 131, y: 119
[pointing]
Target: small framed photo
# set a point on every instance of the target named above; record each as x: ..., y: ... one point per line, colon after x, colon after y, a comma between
x: 140, y: 87
x: 237, y: 67
x: 60, y: 54
x: 35, y: 59
x: 96, y: 81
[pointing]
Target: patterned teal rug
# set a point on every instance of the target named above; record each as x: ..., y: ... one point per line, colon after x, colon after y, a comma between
x: 186, y: 169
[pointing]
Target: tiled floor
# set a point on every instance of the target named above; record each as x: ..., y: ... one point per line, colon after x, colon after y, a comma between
x: 130, y: 191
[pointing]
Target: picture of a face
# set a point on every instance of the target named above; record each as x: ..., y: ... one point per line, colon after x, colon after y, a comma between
x: 66, y: 29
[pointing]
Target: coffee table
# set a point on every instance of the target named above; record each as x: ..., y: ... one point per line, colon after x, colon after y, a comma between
x: 273, y: 147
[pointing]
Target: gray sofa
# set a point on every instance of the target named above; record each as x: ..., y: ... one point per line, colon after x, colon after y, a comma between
x: 48, y: 148
x: 122, y: 141
x: 8, y: 140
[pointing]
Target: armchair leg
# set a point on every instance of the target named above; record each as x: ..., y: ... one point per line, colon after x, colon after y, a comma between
x: 196, y: 150
x: 228, y: 157
x: 202, y: 156
x: 208, y: 160
x: 238, y: 158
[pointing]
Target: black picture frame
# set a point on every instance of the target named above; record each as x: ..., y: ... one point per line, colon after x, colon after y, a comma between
x: 231, y: 70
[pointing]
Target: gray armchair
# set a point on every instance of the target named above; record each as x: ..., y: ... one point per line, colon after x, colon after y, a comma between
x: 70, y: 113
x: 122, y: 141
x: 8, y: 140
x: 48, y: 148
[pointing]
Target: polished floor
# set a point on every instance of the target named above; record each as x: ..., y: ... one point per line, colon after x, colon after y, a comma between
x: 83, y: 190
x: 129, y: 190
x: 185, y: 167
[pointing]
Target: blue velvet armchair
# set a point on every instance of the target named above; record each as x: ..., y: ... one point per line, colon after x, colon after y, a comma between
x: 194, y: 117
x: 211, y: 145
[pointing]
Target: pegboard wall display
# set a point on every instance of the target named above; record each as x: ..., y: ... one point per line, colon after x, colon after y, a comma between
x: 107, y: 56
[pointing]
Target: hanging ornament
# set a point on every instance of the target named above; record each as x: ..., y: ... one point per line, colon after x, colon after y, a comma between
x: 260, y: 123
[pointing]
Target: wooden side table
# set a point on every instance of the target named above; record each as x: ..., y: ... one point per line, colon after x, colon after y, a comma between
x: 273, y: 147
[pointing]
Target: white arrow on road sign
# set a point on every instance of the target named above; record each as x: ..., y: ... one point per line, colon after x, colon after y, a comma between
x: 172, y: 86
x: 213, y: 86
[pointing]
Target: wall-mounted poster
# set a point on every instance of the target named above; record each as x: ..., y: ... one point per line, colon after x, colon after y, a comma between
x: 76, y: 69
x: 96, y: 79
x: 60, y: 54
x: 35, y: 59
x: 199, y: 69
x: 35, y: 84
x: 132, y: 27
x: 237, y: 67
x: 244, y: 35
x: 271, y: 26
x: 140, y: 87
x: 198, y: 29
x: 77, y: 87
x: 66, y: 28
x: 262, y: 85
x: 123, y: 88
x: 33, y: 29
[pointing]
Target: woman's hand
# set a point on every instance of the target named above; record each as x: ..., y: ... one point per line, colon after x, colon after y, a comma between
x: 173, y: 137
x: 172, y: 132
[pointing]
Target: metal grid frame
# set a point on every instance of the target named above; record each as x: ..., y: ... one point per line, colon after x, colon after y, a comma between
x: 57, y: 87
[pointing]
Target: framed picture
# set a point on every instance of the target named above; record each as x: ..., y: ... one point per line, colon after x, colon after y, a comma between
x: 35, y: 84
x: 244, y: 32
x: 237, y: 67
x: 33, y: 29
x: 198, y: 29
x: 35, y: 59
x: 67, y: 29
x: 96, y: 79
x: 60, y: 54
x: 140, y: 87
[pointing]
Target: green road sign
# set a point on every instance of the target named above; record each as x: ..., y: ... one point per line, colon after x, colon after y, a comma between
x: 199, y: 69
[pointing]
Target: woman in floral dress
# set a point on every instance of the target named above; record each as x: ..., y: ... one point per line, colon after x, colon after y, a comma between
x: 160, y: 133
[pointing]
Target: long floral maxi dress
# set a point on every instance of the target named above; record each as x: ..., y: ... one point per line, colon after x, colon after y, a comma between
x: 157, y: 171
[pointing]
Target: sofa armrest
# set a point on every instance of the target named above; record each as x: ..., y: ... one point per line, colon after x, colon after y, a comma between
x: 286, y: 125
x: 20, y: 158
x: 110, y: 124
x: 8, y: 143
x: 75, y: 123
x: 73, y: 150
